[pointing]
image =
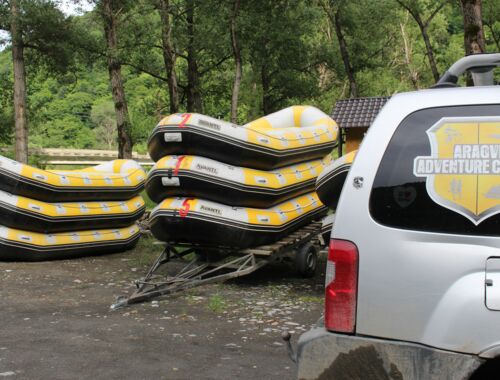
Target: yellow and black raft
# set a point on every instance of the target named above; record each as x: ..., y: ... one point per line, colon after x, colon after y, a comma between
x: 294, y: 134
x: 210, y: 223
x: 38, y: 216
x: 19, y: 245
x: 53, y: 214
x: 330, y: 182
x: 115, y: 180
x: 200, y: 177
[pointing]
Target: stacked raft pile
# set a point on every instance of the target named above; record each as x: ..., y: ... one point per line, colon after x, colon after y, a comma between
x: 329, y: 185
x: 219, y: 183
x: 54, y: 214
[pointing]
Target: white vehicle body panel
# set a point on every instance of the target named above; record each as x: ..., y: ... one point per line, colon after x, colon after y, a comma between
x: 414, y: 286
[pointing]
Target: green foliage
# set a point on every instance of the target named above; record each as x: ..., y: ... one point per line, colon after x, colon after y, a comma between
x: 290, y: 55
x: 67, y: 132
x: 6, y: 95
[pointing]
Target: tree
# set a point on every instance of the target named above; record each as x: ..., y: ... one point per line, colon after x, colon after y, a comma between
x: 474, y: 40
x: 333, y: 10
x: 237, y: 62
x: 407, y: 48
x: 423, y: 12
x: 279, y: 51
x: 491, y: 20
x: 20, y: 118
x: 110, y: 11
x: 104, y: 117
x: 194, y: 103
x: 39, y: 26
x: 169, y: 54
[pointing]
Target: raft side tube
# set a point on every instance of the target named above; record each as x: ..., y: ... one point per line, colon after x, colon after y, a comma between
x: 18, y: 245
x: 37, y: 216
x: 292, y: 135
x: 205, y: 222
x: 199, y: 177
x: 65, y: 186
x: 330, y: 182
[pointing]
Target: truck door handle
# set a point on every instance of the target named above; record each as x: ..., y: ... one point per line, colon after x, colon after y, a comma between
x: 489, y: 282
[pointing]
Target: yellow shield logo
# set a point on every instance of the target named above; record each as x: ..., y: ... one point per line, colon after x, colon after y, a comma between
x: 463, y: 171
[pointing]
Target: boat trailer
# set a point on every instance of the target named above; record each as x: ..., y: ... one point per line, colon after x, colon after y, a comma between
x: 209, y: 264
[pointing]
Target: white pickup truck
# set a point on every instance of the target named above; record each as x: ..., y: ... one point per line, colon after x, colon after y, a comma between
x: 413, y: 271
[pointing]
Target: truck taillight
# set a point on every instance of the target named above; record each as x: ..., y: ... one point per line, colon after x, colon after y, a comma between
x: 341, y: 286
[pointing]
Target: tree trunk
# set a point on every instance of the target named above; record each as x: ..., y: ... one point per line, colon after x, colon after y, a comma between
x: 169, y: 56
x: 473, y: 27
x: 267, y: 106
x: 21, y: 124
x: 408, y: 57
x: 429, y: 50
x: 115, y: 75
x: 353, y: 86
x: 193, y: 88
x: 474, y: 40
x: 237, y: 62
x: 423, y: 26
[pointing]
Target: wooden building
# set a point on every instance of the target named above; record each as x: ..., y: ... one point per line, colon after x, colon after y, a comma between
x: 354, y: 117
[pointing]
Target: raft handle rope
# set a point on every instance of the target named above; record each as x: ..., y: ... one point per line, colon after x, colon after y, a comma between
x: 321, y: 164
x: 314, y: 203
x: 92, y: 174
x: 132, y: 229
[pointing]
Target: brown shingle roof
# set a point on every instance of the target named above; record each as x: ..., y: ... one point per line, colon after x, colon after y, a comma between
x: 357, y: 112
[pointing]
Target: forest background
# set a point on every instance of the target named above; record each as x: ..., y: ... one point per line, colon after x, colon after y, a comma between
x: 232, y: 59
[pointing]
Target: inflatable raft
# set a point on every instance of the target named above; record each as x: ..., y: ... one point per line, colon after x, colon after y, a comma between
x: 294, y: 134
x: 28, y: 214
x: 19, y: 245
x: 200, y: 177
x: 116, y: 180
x: 330, y: 182
x: 210, y: 223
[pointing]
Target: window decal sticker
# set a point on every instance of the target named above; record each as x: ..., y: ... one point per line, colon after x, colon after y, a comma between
x: 463, y: 171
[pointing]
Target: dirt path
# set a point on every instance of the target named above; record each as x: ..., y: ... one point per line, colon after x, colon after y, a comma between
x: 56, y: 323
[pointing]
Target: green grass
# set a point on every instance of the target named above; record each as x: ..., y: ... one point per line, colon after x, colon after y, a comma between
x: 149, y: 203
x: 145, y: 252
x: 216, y: 303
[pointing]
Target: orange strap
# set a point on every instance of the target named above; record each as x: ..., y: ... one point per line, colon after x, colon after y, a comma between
x: 178, y: 164
x: 185, y: 207
x: 186, y: 117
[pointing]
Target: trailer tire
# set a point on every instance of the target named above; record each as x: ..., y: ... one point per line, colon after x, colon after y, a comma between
x: 306, y: 260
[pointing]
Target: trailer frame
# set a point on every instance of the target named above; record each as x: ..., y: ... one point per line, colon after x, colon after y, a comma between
x: 219, y: 263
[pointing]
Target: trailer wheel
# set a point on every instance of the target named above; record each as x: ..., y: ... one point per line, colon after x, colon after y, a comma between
x: 306, y: 259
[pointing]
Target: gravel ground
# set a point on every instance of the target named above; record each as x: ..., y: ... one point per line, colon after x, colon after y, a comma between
x: 56, y: 322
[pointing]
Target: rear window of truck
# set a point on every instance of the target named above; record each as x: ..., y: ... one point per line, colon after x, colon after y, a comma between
x: 441, y: 172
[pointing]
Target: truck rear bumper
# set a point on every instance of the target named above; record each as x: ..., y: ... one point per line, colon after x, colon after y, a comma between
x: 325, y: 355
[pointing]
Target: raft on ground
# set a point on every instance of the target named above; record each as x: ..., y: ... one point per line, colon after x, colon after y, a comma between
x: 200, y: 177
x: 47, y: 214
x: 38, y: 216
x: 114, y: 180
x: 294, y: 134
x: 330, y: 182
x: 19, y: 245
x: 205, y: 222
